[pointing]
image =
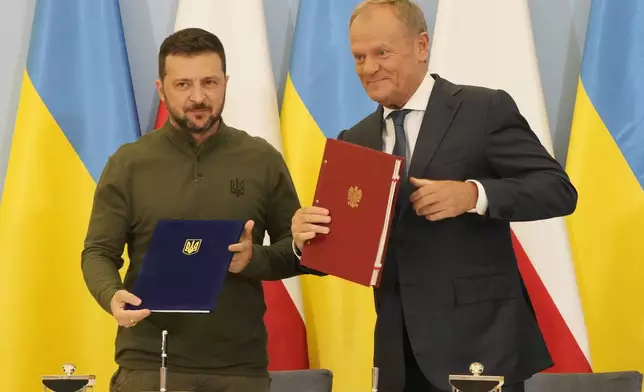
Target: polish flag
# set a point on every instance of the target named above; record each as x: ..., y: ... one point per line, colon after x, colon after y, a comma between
x: 490, y: 43
x: 251, y: 105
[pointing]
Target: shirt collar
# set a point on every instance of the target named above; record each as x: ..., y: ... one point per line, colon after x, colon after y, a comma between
x: 184, y: 140
x: 419, y: 100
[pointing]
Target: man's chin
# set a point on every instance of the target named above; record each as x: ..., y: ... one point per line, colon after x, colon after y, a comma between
x: 196, y: 131
x: 201, y: 127
x: 380, y: 95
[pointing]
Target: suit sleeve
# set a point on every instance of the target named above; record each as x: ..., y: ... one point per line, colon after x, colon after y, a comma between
x: 530, y: 184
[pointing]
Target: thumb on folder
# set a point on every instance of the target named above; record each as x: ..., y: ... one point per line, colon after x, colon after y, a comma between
x: 127, y: 318
x: 243, y: 249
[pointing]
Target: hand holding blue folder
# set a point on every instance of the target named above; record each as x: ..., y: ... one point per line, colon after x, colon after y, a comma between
x: 243, y: 250
x: 186, y: 264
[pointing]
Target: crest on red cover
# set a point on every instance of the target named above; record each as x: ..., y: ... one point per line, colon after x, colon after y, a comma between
x: 354, y: 196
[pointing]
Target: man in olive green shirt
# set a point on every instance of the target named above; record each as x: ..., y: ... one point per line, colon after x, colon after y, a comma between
x: 195, y: 167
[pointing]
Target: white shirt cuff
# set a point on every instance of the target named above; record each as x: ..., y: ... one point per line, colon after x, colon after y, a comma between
x: 295, y: 251
x: 481, y: 202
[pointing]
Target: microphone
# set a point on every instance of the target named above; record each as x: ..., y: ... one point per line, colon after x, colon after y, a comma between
x: 374, y: 379
x: 164, y: 356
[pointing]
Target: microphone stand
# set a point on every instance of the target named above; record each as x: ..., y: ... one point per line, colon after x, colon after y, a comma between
x: 374, y: 379
x: 164, y: 356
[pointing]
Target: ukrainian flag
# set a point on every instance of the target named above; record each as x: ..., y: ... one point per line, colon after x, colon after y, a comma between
x: 606, y: 164
x: 76, y: 108
x: 323, y: 96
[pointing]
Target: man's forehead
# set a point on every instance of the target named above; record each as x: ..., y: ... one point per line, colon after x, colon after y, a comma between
x: 179, y: 63
x: 377, y: 14
x: 379, y: 23
x: 376, y: 38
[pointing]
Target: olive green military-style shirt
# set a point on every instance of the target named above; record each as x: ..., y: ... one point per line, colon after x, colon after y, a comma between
x: 166, y: 175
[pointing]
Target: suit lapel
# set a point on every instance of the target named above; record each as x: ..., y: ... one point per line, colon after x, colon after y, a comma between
x: 374, y: 125
x: 441, y: 109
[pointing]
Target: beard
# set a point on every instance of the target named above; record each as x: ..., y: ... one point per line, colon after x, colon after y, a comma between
x: 188, y: 126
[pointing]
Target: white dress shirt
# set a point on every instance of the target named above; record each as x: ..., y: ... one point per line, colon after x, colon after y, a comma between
x: 417, y: 105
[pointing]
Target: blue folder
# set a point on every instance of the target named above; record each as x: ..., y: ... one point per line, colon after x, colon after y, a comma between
x: 184, y: 269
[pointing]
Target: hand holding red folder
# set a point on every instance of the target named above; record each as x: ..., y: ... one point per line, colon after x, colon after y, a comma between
x: 345, y: 233
x: 306, y: 224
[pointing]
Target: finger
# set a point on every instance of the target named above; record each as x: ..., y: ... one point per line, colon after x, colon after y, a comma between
x: 310, y: 218
x: 419, y: 182
x: 426, y: 200
x: 236, y: 265
x: 440, y: 215
x: 138, y: 315
x: 128, y: 298
x: 438, y: 211
x: 303, y: 237
x: 238, y: 247
x: 235, y: 270
x: 429, y: 189
x: 248, y: 230
x: 315, y: 218
x: 433, y: 208
x: 307, y: 228
x: 314, y: 210
x: 129, y: 318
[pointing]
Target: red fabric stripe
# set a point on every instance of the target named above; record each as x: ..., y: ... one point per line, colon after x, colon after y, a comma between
x: 563, y: 347
x: 162, y: 115
x: 287, y: 347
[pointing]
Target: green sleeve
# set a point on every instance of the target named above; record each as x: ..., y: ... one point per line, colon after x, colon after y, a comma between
x: 106, y: 235
x: 277, y: 261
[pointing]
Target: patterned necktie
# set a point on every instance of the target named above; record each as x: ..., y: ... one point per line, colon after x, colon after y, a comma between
x: 400, y: 147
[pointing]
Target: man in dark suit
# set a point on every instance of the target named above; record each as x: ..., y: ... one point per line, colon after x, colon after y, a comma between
x: 451, y: 293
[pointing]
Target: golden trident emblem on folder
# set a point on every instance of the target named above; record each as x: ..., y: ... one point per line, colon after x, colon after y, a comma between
x: 191, y: 247
x: 354, y: 196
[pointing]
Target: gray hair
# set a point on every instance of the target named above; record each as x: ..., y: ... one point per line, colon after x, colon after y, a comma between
x: 407, y: 11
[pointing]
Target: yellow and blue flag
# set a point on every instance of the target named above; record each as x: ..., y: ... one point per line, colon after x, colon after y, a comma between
x: 606, y: 164
x: 323, y: 96
x: 76, y: 108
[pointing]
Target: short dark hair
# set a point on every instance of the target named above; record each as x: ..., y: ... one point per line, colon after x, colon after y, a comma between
x: 189, y: 42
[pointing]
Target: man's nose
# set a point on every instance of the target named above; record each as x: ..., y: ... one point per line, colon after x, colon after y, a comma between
x: 197, y: 95
x: 370, y: 65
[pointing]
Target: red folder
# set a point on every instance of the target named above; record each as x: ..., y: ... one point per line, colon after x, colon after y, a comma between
x: 359, y: 187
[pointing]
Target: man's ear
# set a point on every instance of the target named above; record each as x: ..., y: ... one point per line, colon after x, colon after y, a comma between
x: 159, y: 85
x: 423, y: 47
